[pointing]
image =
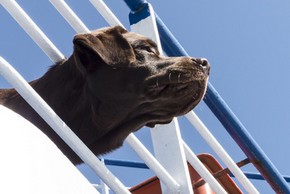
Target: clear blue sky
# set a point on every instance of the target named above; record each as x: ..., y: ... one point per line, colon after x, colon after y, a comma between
x: 247, y: 43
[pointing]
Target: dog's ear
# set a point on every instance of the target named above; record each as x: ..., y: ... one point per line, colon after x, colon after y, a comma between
x: 103, y: 46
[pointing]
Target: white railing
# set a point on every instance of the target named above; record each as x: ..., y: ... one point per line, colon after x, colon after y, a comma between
x: 173, y: 185
x: 32, y: 29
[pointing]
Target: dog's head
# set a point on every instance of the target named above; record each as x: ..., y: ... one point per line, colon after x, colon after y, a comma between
x: 131, y: 85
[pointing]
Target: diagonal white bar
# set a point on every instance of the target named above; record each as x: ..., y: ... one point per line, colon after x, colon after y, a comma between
x: 42, y: 108
x: 202, y: 170
x: 152, y: 163
x: 219, y: 150
x: 69, y: 16
x: 106, y: 13
x: 32, y: 30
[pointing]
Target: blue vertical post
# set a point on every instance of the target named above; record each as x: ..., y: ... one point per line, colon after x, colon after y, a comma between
x: 221, y: 110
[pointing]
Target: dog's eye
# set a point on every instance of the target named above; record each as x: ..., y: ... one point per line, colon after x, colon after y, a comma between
x: 150, y: 50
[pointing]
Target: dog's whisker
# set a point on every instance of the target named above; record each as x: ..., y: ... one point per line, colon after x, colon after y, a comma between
x: 170, y: 77
x: 178, y: 78
x: 195, y: 96
x: 157, y: 83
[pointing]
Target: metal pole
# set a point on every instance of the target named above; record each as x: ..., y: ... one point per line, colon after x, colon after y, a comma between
x: 106, y: 12
x: 152, y: 163
x: 32, y: 30
x: 219, y: 150
x: 246, y: 142
x: 69, y: 16
x: 202, y: 170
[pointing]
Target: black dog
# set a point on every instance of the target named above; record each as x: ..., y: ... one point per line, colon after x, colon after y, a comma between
x: 114, y: 83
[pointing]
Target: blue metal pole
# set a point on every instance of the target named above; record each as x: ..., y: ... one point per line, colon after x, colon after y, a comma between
x: 141, y: 165
x: 221, y: 110
x: 240, y: 134
x: 124, y: 163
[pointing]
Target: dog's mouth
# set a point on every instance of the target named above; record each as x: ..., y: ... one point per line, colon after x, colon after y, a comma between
x: 175, y: 84
x: 175, y: 93
x: 178, y: 99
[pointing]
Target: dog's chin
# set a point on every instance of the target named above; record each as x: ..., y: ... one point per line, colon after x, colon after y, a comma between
x: 192, y: 99
x: 179, y: 99
x: 175, y: 85
x: 153, y: 124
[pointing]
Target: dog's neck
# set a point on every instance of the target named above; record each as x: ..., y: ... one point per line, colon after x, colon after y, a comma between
x: 63, y: 88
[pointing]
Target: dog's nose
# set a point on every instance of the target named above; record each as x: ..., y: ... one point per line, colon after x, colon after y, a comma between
x: 201, y: 62
x: 204, y: 63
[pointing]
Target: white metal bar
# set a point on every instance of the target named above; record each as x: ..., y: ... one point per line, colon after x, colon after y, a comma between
x: 32, y: 30
x: 152, y: 163
x: 104, y: 187
x: 42, y: 108
x: 169, y: 151
x: 215, y: 145
x: 149, y: 26
x: 202, y: 170
x: 136, y: 145
x: 168, y: 148
x: 106, y: 13
x: 69, y: 16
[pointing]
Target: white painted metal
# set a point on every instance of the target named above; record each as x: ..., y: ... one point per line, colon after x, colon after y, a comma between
x: 69, y: 16
x: 104, y: 187
x: 136, y: 145
x: 106, y: 13
x: 31, y: 163
x: 152, y: 163
x: 215, y: 145
x: 32, y: 30
x: 41, y: 107
x: 202, y: 170
x: 167, y: 141
x: 148, y: 27
x: 169, y: 151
